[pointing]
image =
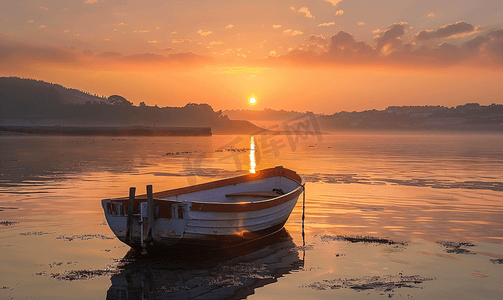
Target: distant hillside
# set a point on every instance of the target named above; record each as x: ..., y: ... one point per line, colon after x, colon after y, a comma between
x: 22, y: 88
x: 264, y: 115
x: 468, y: 117
x: 27, y: 102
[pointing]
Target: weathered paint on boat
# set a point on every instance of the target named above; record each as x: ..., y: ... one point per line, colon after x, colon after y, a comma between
x: 215, y: 214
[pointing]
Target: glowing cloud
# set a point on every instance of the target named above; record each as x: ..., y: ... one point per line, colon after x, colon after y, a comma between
x: 272, y: 53
x: 391, y: 38
x: 216, y: 43
x: 293, y: 32
x: 66, y: 31
x: 90, y: 1
x: 360, y: 23
x: 306, y: 11
x: 431, y: 15
x: 152, y: 42
x: 122, y: 24
x: 141, y: 31
x: 43, y: 8
x: 204, y: 33
x: 333, y: 2
x: 178, y: 41
x: 30, y: 21
x: 325, y: 24
x: 276, y: 26
x: 42, y: 26
x: 448, y: 31
x: 229, y: 26
x: 339, y: 12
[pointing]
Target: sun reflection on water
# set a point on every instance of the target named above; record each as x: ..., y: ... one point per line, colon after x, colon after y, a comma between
x: 252, y: 155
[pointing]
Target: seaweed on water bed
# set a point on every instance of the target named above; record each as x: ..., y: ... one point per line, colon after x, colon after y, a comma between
x: 84, y: 237
x: 457, y: 248
x: 72, y: 275
x: 8, y: 223
x: 360, y: 239
x: 36, y: 233
x: 381, y: 284
x: 2, y: 208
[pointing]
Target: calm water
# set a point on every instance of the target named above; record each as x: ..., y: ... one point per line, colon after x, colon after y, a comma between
x: 430, y: 205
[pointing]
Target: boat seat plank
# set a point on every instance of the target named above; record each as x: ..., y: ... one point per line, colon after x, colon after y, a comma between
x: 256, y: 194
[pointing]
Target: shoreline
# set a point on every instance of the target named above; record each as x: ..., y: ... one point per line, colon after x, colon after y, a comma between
x: 107, y: 131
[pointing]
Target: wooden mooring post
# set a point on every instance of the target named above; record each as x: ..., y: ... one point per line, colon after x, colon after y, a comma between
x: 150, y: 207
x: 129, y: 232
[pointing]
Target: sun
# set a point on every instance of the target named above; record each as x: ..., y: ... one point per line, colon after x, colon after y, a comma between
x: 253, y: 100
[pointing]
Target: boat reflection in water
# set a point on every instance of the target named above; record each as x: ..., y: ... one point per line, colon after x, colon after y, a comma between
x: 230, y: 273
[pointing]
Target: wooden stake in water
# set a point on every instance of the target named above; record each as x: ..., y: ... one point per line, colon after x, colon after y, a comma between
x: 150, y: 207
x: 129, y: 232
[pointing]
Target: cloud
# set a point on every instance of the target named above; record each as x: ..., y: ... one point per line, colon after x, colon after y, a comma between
x: 90, y: 1
x: 169, y: 49
x: 333, y: 2
x: 389, y: 49
x: 109, y: 54
x: 107, y: 40
x: 310, y: 49
x: 272, y: 53
x: 178, y: 41
x: 317, y: 40
x: 18, y: 56
x: 391, y: 38
x: 153, y: 42
x: 342, y: 40
x: 325, y: 24
x: 276, y: 26
x: 204, y: 33
x: 212, y: 43
x: 306, y: 11
x: 30, y: 21
x: 448, y: 31
x: 431, y: 15
x: 43, y: 8
x: 42, y: 26
x: 292, y: 8
x: 173, y: 32
x: 122, y: 24
x: 229, y: 26
x: 66, y: 31
x: 190, y: 58
x: 475, y: 43
x: 141, y: 31
x: 339, y: 12
x: 360, y: 23
x: 293, y: 32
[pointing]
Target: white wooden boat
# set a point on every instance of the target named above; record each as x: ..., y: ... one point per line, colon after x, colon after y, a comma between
x: 215, y: 214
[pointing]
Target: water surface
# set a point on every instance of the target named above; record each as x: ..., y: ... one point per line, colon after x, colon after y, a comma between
x: 430, y: 205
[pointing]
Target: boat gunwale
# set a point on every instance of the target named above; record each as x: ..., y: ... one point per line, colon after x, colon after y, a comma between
x: 262, y: 174
x: 230, y: 207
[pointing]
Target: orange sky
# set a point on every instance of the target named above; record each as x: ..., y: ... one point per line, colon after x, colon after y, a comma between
x: 324, y: 56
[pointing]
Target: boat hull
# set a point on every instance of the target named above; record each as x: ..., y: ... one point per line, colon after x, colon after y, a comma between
x: 209, y: 216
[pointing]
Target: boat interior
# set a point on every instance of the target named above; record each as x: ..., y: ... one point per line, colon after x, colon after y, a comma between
x: 249, y: 191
